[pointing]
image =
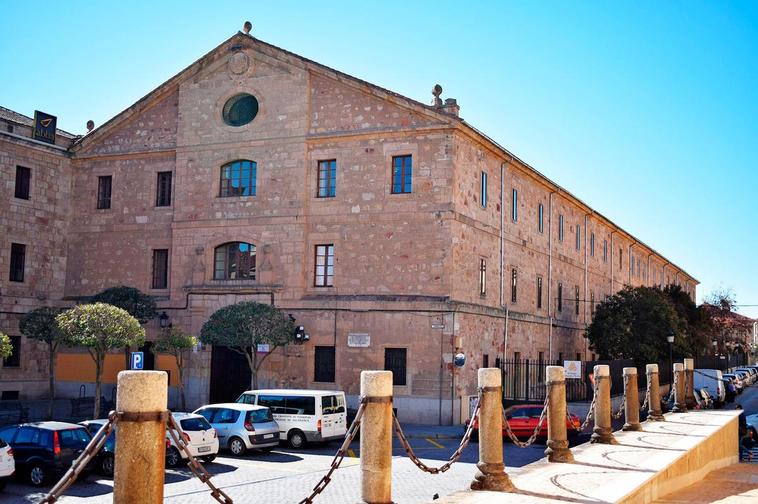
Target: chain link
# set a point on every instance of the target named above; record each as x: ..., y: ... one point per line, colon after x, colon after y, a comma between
x: 620, y: 412
x: 646, y: 404
x: 670, y: 396
x: 340, y: 455
x: 453, y: 458
x: 196, y: 467
x: 590, y: 413
x: 524, y: 444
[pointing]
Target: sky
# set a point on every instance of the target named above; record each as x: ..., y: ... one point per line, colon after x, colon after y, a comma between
x: 647, y: 111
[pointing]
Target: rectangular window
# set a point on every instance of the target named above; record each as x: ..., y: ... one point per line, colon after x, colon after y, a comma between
x: 578, y: 356
x: 23, y: 182
x: 576, y: 293
x: 324, y: 271
x: 560, y: 228
x: 621, y: 258
x: 539, y: 292
x: 15, y: 358
x: 541, y: 218
x: 394, y: 360
x: 514, y: 285
x: 578, y: 237
x: 482, y: 277
x: 541, y: 358
x: 18, y: 260
x: 592, y: 244
x: 485, y: 361
x: 324, y: 364
x: 514, y: 206
x: 605, y: 250
x: 160, y: 268
x: 402, y: 174
x: 483, y: 190
x: 238, y: 178
x: 560, y: 296
x: 560, y: 358
x: 163, y: 192
x: 104, y: 192
x: 327, y: 179
x: 592, y: 303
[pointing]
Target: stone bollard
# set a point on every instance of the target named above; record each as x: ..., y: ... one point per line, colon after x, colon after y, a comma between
x: 491, y: 474
x: 632, y: 404
x: 376, y: 437
x: 679, y: 405
x: 140, y: 462
x: 654, y: 413
x: 689, y: 376
x: 557, y: 436
x: 603, y: 430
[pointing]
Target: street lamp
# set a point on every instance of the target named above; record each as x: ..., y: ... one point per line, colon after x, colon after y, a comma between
x: 670, y: 339
x: 164, y: 320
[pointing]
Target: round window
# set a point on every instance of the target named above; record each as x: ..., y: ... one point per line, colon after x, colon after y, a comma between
x: 240, y: 109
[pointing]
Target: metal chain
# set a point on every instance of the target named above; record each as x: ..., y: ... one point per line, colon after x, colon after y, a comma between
x: 537, y: 429
x: 78, y: 465
x: 646, y: 404
x: 453, y: 458
x: 620, y: 412
x: 339, y: 456
x: 590, y: 413
x: 670, y: 396
x: 196, y: 467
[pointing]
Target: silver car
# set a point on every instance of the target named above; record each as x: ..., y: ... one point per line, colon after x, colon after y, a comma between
x: 242, y: 427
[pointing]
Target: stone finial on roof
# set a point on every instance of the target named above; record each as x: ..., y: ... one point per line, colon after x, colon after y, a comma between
x: 247, y: 27
x: 437, y: 91
x: 90, y: 125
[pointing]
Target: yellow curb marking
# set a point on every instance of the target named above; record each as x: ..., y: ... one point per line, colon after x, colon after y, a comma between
x: 351, y: 452
x: 434, y: 443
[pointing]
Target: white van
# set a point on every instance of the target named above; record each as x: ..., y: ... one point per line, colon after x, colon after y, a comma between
x: 713, y: 381
x: 304, y: 416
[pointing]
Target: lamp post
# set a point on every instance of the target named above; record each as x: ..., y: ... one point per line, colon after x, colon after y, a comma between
x: 164, y: 320
x: 670, y: 339
x: 715, y: 354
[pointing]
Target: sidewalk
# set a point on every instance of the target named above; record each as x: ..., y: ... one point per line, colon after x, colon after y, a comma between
x: 736, y: 484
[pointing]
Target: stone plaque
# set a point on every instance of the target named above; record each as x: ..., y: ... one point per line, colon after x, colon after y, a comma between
x: 358, y: 340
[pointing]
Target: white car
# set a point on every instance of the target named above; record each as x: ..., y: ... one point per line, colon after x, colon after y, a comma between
x: 199, y: 436
x: 7, y: 464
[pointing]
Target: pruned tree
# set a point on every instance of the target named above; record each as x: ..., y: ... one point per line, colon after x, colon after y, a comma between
x: 243, y: 326
x: 40, y: 324
x: 6, y: 347
x: 695, y: 323
x: 174, y: 341
x: 138, y: 304
x: 99, y: 327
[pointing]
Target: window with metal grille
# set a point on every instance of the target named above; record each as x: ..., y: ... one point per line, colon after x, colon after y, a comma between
x: 23, y: 182
x: 327, y: 179
x: 539, y: 292
x: 18, y: 260
x: 482, y: 277
x: 605, y: 250
x: 14, y: 360
x: 160, y: 268
x: 234, y: 261
x: 514, y: 205
x: 324, y: 364
x: 578, y: 237
x: 483, y: 190
x: 104, y: 184
x: 576, y: 295
x: 485, y: 361
x: 402, y: 174
x: 592, y: 244
x: 324, y: 270
x: 541, y: 358
x: 560, y: 296
x: 163, y: 192
x: 514, y: 285
x: 541, y: 218
x: 238, y: 179
x: 621, y: 257
x: 560, y: 228
x: 395, y: 361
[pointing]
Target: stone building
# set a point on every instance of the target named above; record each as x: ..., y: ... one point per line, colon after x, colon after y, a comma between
x: 395, y: 232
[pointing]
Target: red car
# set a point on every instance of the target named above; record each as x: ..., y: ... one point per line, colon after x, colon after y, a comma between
x: 523, y: 420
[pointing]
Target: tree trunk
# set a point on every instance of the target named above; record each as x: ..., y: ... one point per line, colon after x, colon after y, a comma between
x: 98, y: 376
x: 51, y: 349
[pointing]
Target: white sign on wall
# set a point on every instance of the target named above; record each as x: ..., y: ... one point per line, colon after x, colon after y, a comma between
x: 358, y: 340
x: 573, y: 369
x: 263, y: 348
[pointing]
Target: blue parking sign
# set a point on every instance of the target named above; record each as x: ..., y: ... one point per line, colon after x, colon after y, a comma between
x: 138, y: 360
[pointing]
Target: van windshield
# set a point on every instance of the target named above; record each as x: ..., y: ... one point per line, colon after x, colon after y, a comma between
x: 246, y: 399
x: 259, y: 416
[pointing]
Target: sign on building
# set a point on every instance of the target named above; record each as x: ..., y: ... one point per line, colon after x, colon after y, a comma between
x: 44, y: 127
x: 138, y: 361
x: 573, y: 369
x: 358, y: 340
x: 263, y: 348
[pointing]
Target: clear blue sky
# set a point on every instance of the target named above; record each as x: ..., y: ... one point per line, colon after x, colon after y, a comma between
x: 648, y: 111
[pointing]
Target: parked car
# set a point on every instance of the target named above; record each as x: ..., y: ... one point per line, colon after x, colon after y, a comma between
x: 711, y: 380
x: 304, y: 416
x: 45, y: 449
x: 703, y: 399
x: 749, y: 373
x: 199, y: 436
x: 736, y: 380
x: 242, y: 427
x: 7, y: 463
x: 523, y: 419
x: 106, y: 458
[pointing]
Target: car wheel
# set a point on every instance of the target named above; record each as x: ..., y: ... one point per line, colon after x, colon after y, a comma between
x: 237, y: 446
x: 37, y: 475
x: 297, y: 439
x: 106, y: 465
x: 172, y: 457
x: 209, y: 458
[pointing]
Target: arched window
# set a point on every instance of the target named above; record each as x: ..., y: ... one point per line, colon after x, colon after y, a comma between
x: 234, y: 261
x: 238, y: 178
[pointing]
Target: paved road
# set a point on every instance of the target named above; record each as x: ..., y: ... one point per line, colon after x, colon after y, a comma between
x: 286, y: 475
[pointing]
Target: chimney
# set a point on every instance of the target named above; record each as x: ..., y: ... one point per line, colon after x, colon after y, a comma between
x: 451, y: 107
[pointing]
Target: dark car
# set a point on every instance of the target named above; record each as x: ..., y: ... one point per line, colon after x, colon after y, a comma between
x: 105, y: 458
x: 44, y: 450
